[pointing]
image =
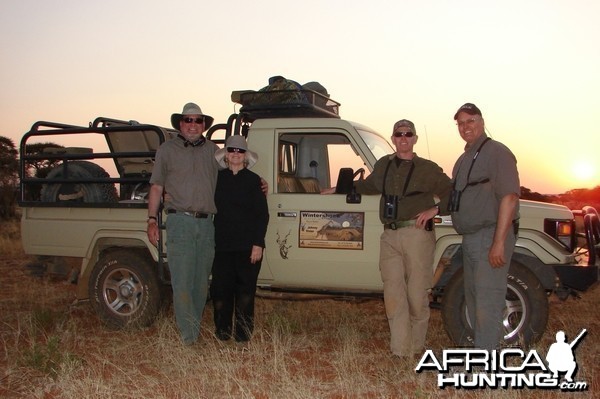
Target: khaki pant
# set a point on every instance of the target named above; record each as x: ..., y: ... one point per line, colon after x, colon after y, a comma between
x: 406, y: 265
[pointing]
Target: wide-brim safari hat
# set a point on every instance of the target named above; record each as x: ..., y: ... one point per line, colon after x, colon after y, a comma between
x: 236, y: 141
x: 191, y: 109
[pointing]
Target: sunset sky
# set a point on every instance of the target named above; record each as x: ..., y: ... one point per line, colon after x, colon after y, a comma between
x: 532, y: 67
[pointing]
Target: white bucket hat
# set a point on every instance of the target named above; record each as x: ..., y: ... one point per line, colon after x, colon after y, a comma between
x: 191, y: 109
x: 236, y: 141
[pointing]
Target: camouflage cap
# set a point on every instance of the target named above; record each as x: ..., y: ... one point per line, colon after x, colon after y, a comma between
x: 405, y: 123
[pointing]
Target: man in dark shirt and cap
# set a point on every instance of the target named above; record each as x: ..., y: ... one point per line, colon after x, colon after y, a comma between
x: 484, y: 206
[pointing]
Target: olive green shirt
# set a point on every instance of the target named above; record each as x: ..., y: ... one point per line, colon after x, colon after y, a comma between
x: 427, y: 181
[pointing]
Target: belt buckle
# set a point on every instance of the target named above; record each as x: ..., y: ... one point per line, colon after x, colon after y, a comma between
x: 393, y: 226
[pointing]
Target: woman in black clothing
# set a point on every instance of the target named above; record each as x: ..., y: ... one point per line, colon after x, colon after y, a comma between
x: 240, y: 228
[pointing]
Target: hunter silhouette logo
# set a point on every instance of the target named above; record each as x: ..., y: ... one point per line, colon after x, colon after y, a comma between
x: 506, y: 368
x: 560, y: 356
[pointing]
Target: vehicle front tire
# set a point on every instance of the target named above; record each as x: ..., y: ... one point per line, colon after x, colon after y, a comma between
x: 125, y: 290
x: 525, y: 316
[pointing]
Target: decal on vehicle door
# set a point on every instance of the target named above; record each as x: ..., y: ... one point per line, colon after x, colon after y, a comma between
x: 283, y: 247
x: 333, y: 230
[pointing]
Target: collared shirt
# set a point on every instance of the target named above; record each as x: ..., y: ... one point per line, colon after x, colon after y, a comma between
x: 427, y: 180
x: 480, y: 203
x: 188, y: 174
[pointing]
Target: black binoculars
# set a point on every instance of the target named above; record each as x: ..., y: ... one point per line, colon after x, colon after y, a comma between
x: 390, y: 208
x: 454, y: 201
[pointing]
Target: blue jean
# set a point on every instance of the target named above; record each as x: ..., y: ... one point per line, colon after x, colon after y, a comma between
x: 485, y: 286
x: 190, y: 253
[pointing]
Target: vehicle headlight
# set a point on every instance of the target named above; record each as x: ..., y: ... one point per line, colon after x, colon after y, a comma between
x: 563, y: 231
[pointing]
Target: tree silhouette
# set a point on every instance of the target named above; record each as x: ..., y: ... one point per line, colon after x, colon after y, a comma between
x: 9, y: 178
x: 38, y: 167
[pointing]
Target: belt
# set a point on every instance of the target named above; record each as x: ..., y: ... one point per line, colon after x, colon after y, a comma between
x: 399, y: 224
x: 197, y: 215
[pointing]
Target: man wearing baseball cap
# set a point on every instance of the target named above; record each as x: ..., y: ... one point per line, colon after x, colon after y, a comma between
x: 413, y: 190
x: 484, y: 205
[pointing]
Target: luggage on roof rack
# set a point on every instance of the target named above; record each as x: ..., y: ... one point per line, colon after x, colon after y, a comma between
x: 284, y: 98
x: 285, y: 103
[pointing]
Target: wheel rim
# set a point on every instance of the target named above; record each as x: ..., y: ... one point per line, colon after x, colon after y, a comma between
x: 122, y: 292
x: 515, y: 314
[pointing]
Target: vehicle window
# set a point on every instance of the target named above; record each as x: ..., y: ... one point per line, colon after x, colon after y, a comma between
x: 310, y: 162
x: 344, y: 156
x: 377, y: 144
x: 287, y: 157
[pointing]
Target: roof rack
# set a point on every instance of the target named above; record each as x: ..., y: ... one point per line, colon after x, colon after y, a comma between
x: 285, y: 104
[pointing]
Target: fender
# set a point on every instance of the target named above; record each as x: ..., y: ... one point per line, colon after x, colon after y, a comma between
x: 104, y: 240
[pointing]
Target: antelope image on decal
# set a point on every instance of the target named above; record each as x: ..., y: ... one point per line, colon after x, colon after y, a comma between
x: 283, y: 247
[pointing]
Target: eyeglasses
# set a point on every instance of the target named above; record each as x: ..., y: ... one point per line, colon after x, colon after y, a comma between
x: 468, y: 122
x: 193, y: 120
x: 403, y: 134
x: 233, y: 149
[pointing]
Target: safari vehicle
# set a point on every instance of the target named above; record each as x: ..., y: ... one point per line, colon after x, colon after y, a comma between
x: 324, y: 244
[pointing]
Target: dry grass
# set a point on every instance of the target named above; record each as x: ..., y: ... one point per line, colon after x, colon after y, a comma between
x: 10, y: 239
x: 301, y: 349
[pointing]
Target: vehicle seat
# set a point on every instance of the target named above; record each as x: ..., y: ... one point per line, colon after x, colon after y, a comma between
x: 310, y: 185
x: 287, y: 183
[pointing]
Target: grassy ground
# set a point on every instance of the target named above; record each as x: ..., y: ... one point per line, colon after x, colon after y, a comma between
x: 50, y: 348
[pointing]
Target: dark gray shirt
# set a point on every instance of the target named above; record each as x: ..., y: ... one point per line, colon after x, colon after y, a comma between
x: 480, y: 203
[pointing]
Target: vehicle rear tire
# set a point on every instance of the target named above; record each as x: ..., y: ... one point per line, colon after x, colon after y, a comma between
x: 79, y: 192
x: 124, y: 289
x: 525, y: 315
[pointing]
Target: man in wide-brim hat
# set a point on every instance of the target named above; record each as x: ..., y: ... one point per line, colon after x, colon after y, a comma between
x: 185, y: 167
x: 191, y: 110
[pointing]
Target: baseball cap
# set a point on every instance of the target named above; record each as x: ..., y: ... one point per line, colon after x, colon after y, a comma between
x: 469, y: 108
x: 405, y: 123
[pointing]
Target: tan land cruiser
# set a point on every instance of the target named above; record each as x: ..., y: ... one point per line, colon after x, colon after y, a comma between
x: 324, y: 244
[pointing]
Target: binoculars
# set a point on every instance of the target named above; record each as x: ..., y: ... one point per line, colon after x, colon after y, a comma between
x: 454, y: 201
x: 390, y: 208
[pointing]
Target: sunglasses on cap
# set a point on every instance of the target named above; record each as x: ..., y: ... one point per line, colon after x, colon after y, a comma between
x: 233, y: 149
x: 403, y: 134
x: 193, y: 120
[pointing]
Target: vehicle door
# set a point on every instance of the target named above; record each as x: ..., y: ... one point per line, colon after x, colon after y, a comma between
x: 319, y: 240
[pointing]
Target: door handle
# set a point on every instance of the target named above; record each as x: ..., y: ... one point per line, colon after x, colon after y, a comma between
x: 287, y: 214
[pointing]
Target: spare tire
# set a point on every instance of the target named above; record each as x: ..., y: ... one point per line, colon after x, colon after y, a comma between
x: 79, y: 192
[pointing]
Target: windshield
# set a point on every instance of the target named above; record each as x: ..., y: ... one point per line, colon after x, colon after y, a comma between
x: 378, y: 145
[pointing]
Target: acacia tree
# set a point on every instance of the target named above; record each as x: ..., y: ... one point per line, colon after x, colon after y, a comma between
x: 9, y: 178
x: 38, y: 167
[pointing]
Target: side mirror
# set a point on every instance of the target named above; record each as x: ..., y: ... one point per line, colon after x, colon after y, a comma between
x: 344, y: 183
